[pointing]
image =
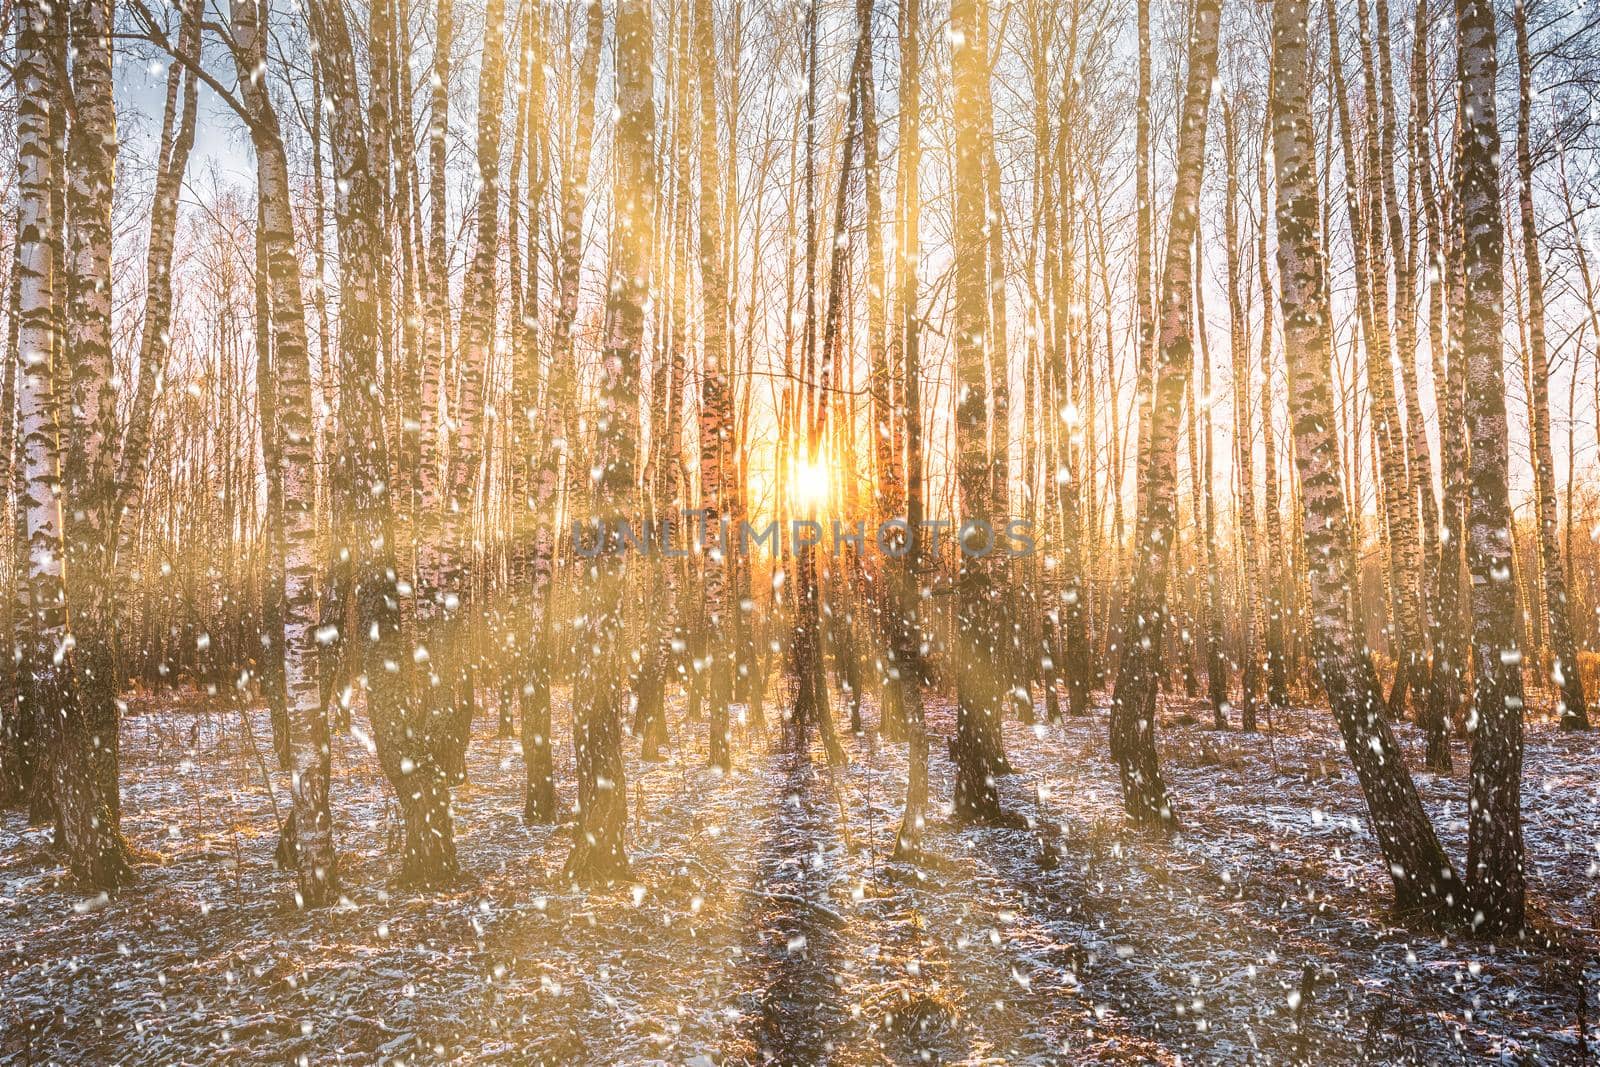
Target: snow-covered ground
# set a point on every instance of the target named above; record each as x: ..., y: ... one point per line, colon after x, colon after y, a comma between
x: 767, y: 922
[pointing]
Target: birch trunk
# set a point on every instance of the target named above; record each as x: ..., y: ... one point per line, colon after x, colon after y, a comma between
x: 718, y: 485
x: 1206, y: 504
x: 907, y: 632
x: 1133, y: 708
x: 889, y: 482
x: 1372, y: 300
x: 1571, y: 708
x: 47, y: 697
x: 1243, y: 449
x: 561, y: 426
x: 1065, y: 471
x: 313, y: 850
x: 1495, y: 875
x: 428, y: 502
x: 155, y: 340
x: 1402, y: 249
x: 269, y: 674
x: 16, y: 741
x: 514, y: 650
x: 982, y: 645
x: 85, y: 760
x: 539, y: 794
x: 1424, y: 880
x: 1444, y: 680
x: 448, y: 582
x: 997, y: 347
x: 415, y: 749
x: 1144, y: 265
x: 1275, y: 603
x: 599, y: 855
x: 665, y: 462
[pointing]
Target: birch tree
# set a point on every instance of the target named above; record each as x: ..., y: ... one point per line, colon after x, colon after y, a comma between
x: 308, y: 750
x: 1133, y: 709
x: 1424, y: 880
x: 48, y: 691
x: 85, y: 757
x: 717, y: 469
x: 599, y: 853
x: 417, y: 747
x: 980, y: 684
x: 908, y: 842
x: 1495, y: 875
x: 1572, y: 710
x: 560, y: 423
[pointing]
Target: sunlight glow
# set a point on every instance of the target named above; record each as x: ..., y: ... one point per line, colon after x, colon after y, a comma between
x: 811, y: 483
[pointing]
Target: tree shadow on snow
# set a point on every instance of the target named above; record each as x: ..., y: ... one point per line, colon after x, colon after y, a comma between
x: 793, y: 1015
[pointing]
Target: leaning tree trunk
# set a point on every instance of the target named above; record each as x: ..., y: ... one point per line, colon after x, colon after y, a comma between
x: 1573, y: 712
x: 598, y: 855
x: 1495, y: 875
x: 155, y: 340
x: 1416, y: 438
x: 1133, y: 707
x: 1424, y: 880
x: 814, y: 585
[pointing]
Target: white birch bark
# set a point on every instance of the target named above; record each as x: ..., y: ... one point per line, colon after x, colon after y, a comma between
x: 314, y: 852
x: 1424, y: 880
x: 1495, y: 876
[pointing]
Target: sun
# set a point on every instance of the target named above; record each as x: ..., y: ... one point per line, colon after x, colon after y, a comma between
x: 811, y: 485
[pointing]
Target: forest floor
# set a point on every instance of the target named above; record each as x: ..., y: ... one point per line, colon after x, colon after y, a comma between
x: 767, y: 923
